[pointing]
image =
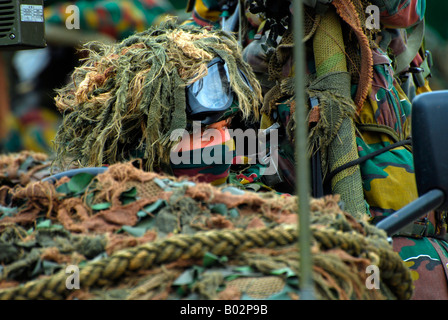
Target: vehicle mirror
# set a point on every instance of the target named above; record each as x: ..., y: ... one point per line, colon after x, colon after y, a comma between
x: 430, y: 142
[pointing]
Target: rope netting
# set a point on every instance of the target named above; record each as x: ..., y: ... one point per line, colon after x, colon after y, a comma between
x: 134, y: 234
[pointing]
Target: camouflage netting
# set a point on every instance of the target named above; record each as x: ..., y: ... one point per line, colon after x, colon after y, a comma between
x: 22, y: 168
x: 139, y: 235
x: 127, y: 98
x: 19, y: 169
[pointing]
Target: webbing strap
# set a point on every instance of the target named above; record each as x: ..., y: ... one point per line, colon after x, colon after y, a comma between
x: 413, y: 44
x: 442, y: 256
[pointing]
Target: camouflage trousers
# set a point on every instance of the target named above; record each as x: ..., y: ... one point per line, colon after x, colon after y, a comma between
x: 427, y: 258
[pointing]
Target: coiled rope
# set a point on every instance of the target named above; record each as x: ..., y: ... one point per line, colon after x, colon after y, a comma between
x: 223, y: 242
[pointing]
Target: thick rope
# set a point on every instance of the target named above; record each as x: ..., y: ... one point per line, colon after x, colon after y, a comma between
x: 224, y: 242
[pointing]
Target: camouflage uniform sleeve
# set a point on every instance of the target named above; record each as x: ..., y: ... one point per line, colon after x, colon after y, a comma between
x: 118, y: 19
x: 400, y: 13
x: 206, y: 13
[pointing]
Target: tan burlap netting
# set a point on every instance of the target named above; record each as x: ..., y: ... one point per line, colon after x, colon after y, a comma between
x: 251, y: 239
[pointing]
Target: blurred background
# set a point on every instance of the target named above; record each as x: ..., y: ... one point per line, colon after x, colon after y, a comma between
x: 436, y: 39
x: 28, y: 78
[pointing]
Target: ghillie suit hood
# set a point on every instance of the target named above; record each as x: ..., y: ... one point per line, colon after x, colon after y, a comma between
x: 127, y: 98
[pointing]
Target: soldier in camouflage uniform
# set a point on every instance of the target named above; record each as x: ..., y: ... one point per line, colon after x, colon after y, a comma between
x: 422, y: 244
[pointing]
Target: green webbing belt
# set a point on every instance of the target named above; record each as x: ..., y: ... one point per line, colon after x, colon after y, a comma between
x: 413, y: 44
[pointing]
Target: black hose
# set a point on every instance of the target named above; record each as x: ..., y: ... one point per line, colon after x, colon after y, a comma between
x: 365, y: 158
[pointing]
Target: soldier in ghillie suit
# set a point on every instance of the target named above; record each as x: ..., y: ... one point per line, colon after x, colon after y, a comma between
x: 359, y: 83
x: 127, y: 99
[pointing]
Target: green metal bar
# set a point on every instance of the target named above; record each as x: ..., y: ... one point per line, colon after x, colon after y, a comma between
x: 303, y: 176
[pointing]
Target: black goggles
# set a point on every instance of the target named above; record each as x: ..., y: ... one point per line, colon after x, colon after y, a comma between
x: 209, y: 97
